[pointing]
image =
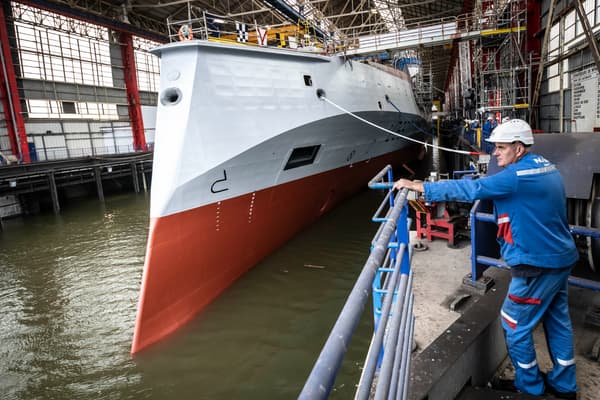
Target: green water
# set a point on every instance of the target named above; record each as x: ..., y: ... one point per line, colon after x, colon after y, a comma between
x: 69, y: 286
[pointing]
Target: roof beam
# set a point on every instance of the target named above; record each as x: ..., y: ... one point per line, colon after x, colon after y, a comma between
x: 148, y: 29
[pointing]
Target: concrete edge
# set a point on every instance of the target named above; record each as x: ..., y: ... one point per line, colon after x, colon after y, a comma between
x: 468, y: 352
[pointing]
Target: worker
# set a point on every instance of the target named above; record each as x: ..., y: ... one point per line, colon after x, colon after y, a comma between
x: 473, y: 130
x: 486, y: 130
x: 533, y: 233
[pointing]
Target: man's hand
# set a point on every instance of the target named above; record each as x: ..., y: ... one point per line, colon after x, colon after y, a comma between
x: 416, y: 186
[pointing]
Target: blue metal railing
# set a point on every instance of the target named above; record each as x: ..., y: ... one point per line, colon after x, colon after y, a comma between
x: 386, y: 274
x: 485, y: 251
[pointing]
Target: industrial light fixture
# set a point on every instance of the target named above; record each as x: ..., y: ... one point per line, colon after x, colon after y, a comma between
x: 109, y: 169
x: 218, y: 21
x: 12, y: 183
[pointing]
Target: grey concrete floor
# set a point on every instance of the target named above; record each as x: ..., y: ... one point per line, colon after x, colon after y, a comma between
x: 437, y: 281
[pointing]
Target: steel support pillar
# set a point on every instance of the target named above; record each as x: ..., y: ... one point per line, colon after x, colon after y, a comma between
x: 9, y: 92
x: 133, y: 95
x: 53, y: 192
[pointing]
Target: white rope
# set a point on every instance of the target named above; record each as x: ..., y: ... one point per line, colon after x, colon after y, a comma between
x: 395, y: 133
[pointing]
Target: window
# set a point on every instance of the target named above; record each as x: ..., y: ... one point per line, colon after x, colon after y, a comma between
x: 570, y: 26
x: 57, y: 48
x: 589, y: 8
x: 553, y: 78
x: 146, y: 64
x: 554, y: 42
x: 565, y: 74
x: 68, y: 107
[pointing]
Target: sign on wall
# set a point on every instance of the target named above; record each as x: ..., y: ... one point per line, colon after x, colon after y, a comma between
x: 585, y: 86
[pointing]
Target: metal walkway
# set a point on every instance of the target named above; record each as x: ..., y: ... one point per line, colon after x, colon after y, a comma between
x: 433, y: 33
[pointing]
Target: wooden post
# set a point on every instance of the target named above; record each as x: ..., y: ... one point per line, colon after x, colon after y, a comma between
x: 144, y: 183
x: 134, y: 176
x: 53, y: 193
x: 98, y: 176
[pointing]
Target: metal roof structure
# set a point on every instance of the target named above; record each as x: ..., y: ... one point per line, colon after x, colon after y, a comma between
x: 349, y: 19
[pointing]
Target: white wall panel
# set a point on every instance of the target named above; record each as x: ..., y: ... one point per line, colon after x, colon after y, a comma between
x: 75, y: 127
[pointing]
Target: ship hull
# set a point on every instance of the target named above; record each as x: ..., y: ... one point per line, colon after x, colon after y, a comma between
x: 194, y: 266
x: 227, y: 191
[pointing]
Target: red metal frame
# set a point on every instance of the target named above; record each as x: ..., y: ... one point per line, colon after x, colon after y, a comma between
x: 133, y: 95
x: 439, y: 227
x: 9, y: 92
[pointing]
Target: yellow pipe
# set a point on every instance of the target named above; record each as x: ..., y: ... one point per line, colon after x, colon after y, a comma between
x: 503, y: 30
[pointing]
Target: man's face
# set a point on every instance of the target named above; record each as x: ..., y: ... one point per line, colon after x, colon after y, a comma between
x: 507, y: 153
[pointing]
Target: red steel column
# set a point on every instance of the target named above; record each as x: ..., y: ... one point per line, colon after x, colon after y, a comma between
x: 9, y: 92
x: 133, y: 95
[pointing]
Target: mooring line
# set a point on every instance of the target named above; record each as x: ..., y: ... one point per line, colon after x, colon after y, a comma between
x: 469, y: 153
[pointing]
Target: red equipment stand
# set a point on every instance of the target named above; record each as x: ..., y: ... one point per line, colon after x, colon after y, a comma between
x: 438, y: 222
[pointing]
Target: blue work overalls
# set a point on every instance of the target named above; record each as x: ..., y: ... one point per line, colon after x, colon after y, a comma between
x: 530, y: 209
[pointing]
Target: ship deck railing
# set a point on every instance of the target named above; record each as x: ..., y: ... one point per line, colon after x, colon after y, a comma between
x: 224, y: 29
x: 387, y: 276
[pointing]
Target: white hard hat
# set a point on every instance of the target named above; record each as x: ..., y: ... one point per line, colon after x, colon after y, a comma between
x: 514, y: 130
x: 490, y: 118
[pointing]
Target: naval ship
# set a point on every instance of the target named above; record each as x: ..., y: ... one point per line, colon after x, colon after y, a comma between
x: 247, y: 153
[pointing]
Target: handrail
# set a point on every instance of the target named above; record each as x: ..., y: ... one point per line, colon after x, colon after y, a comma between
x: 481, y: 258
x: 228, y: 29
x: 387, y: 260
x: 371, y: 360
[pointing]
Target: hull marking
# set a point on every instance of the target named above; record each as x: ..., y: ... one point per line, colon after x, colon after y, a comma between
x: 212, y: 187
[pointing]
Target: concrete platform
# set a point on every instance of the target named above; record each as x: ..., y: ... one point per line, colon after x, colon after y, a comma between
x: 459, y: 351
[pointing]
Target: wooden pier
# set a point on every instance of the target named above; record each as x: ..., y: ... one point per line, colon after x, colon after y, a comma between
x: 47, y: 179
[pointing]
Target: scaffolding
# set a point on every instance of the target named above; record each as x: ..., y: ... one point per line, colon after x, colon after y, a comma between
x: 423, y: 88
x: 502, y: 70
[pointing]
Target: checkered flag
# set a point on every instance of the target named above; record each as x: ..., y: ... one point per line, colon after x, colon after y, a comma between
x: 242, y: 34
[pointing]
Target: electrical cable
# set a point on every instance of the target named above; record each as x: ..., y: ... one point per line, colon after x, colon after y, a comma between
x: 321, y: 95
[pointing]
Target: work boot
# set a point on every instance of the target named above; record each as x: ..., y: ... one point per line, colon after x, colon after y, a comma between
x: 556, y: 393
x: 505, y: 385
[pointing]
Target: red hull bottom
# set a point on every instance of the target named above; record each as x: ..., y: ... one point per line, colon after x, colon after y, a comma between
x: 192, y: 256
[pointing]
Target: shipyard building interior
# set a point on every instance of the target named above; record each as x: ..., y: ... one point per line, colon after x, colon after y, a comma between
x: 177, y: 144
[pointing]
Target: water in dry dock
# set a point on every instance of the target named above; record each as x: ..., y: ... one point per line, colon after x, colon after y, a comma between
x: 69, y: 286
